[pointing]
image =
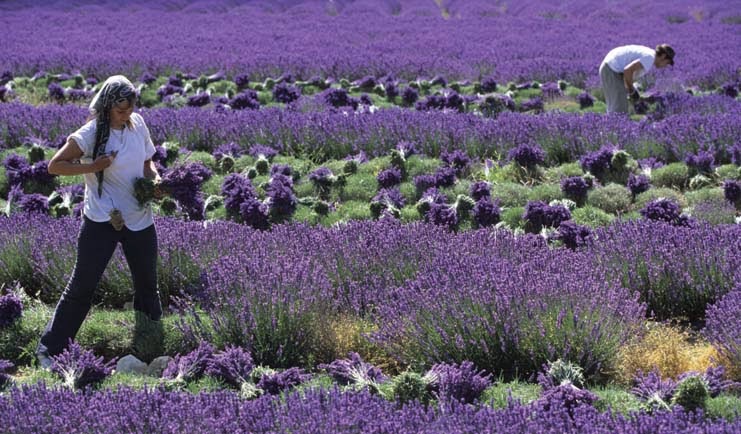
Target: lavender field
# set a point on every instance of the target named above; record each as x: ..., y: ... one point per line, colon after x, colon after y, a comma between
x: 382, y: 216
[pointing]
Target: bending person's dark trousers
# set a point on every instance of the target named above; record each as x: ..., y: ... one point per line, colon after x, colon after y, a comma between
x: 95, y: 246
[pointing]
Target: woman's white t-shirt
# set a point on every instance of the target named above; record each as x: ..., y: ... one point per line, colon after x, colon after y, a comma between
x: 134, y: 146
x: 619, y: 58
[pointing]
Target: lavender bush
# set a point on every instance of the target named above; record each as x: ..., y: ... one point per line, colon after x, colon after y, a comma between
x: 79, y: 368
x: 722, y: 332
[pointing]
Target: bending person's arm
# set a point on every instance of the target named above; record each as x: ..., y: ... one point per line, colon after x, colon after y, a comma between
x: 629, y: 72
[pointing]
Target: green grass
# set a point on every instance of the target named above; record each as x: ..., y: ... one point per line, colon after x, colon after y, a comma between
x: 615, y: 399
x: 499, y: 394
x: 109, y: 333
x: 724, y: 406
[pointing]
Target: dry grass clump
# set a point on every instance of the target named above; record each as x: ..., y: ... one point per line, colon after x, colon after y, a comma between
x: 670, y: 349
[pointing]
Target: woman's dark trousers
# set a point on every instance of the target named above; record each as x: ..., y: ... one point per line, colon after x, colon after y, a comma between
x: 96, y: 243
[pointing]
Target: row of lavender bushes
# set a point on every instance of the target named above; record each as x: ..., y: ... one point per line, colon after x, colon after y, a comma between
x: 335, y: 134
x: 33, y: 409
x: 279, y: 293
x: 456, y: 39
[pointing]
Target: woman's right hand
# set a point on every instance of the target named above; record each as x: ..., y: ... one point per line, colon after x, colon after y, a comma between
x: 103, y: 162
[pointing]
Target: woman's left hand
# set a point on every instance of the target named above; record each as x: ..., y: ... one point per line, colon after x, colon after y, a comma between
x: 158, y: 193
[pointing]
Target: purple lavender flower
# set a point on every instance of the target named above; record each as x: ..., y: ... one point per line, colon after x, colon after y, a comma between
x: 322, y: 176
x: 233, y: 366
x: 79, y: 367
x: 539, y: 214
x: 454, y: 101
x: 17, y: 169
x: 493, y: 105
x: 575, y: 188
x: 527, y: 155
x: 361, y: 157
x: 461, y: 383
x: 183, y: 183
x: 258, y: 150
x: 275, y: 383
x: 637, y: 184
x: 422, y: 183
x: 573, y: 235
x: 407, y: 148
x: 432, y: 102
x: 232, y: 149
x: 486, y: 213
x: 76, y: 192
x: 409, y: 96
x: 732, y: 191
x: 5, y: 77
x: 650, y: 163
x: 236, y: 190
x: 724, y: 333
x: 665, y: 210
x: 445, y: 176
x: 347, y: 371
x: 242, y: 80
x: 169, y: 89
x: 387, y: 199
x: 599, y: 162
x: 646, y: 386
x: 438, y: 80
x: 11, y: 308
x: 39, y: 173
x: 254, y: 213
x: 174, y: 80
x: 147, y: 78
x: 282, y: 201
x: 480, y: 190
x: 338, y: 98
x: 585, y: 100
x: 199, y: 100
x: 488, y: 85
x: 532, y: 104
x: 247, y: 99
x: 191, y: 366
x: 365, y: 99
x: 702, y: 162
x: 550, y: 90
x: 391, y: 196
x: 442, y: 215
x: 730, y: 89
x: 56, y: 92
x: 392, y: 90
x: 281, y: 169
x: 286, y: 93
x: 567, y: 397
x: 367, y: 82
x: 458, y: 159
x: 389, y: 178
x: 33, y: 203
x: 79, y: 94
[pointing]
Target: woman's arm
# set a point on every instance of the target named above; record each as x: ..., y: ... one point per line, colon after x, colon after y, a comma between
x: 628, y: 73
x: 150, y: 171
x: 62, y: 163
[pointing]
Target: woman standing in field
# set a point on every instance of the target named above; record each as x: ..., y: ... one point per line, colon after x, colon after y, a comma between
x: 116, y: 148
x: 623, y: 65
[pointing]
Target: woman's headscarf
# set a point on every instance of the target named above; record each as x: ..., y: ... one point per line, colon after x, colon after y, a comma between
x: 115, y: 90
